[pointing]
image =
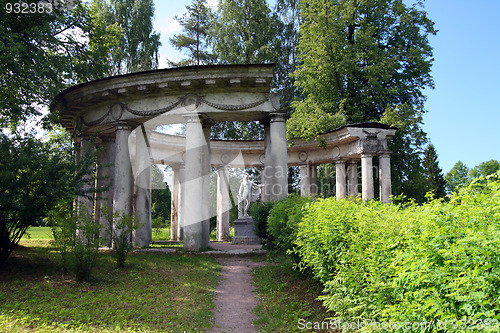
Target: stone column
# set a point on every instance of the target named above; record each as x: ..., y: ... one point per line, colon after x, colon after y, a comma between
x: 98, y: 183
x: 340, y: 179
x: 123, y: 182
x: 352, y: 178
x: 142, y: 236
x: 175, y: 199
x: 267, y: 171
x: 86, y: 201
x: 305, y: 181
x: 104, y: 184
x: 313, y: 173
x: 206, y: 125
x: 192, y: 191
x: 367, y: 190
x: 385, y: 177
x: 308, y: 186
x: 223, y: 204
x: 278, y: 160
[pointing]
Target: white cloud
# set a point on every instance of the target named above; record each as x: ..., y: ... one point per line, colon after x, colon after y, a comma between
x: 168, y: 26
x: 213, y: 3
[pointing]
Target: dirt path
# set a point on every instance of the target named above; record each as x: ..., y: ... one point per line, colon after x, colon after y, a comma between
x: 234, y: 297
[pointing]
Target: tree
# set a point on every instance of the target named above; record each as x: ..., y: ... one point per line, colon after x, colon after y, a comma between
x: 433, y: 173
x: 195, y: 23
x: 41, y: 54
x: 485, y: 169
x: 160, y: 195
x: 406, y: 161
x: 104, y: 35
x: 288, y: 36
x: 365, y: 60
x: 137, y: 49
x: 34, y: 176
x: 244, y: 32
x: 457, y: 177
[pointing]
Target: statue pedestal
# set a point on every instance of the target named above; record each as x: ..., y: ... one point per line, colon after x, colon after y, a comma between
x: 244, y: 231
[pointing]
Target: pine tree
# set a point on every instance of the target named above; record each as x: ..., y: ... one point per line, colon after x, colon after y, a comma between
x: 433, y: 173
x: 195, y: 23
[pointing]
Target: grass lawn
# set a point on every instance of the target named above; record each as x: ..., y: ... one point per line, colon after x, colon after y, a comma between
x: 40, y: 236
x: 37, y: 236
x: 164, y: 234
x: 286, y: 297
x: 154, y: 293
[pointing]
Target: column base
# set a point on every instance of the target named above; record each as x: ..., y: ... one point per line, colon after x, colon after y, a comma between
x: 244, y: 231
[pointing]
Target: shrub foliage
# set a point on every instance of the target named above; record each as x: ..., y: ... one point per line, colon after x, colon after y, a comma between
x: 435, y: 262
x: 76, y: 238
x: 260, y: 212
x: 283, y: 221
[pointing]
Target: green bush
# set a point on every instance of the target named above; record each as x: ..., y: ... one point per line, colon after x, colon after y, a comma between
x: 76, y: 238
x: 283, y: 221
x: 407, y: 263
x: 121, y: 232
x: 451, y: 269
x: 324, y: 234
x: 259, y: 212
x: 158, y: 224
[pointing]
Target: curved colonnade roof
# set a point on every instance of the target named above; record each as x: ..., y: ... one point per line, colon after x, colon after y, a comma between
x: 223, y: 92
x: 345, y: 143
x: 220, y: 93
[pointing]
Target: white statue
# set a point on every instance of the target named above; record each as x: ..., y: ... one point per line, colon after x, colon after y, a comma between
x: 246, y: 194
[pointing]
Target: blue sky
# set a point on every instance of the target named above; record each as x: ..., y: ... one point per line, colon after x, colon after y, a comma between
x: 463, y: 118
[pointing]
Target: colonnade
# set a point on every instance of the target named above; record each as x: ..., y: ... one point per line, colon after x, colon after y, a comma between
x: 190, y: 215
x: 125, y: 183
x: 110, y: 109
x: 346, y: 178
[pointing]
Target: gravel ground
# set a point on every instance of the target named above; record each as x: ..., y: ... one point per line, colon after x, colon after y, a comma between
x: 235, y: 298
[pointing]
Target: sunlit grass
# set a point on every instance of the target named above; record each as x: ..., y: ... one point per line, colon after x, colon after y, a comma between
x: 164, y: 234
x: 37, y: 236
x: 286, y: 297
x: 154, y: 293
x: 41, y: 236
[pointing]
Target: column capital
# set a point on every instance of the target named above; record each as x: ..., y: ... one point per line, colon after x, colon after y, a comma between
x: 385, y: 154
x: 221, y: 167
x: 208, y: 122
x: 195, y: 117
x: 277, y: 117
x: 84, y: 136
x: 176, y: 166
x: 364, y: 155
x: 275, y: 100
x: 103, y: 139
x: 123, y: 126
